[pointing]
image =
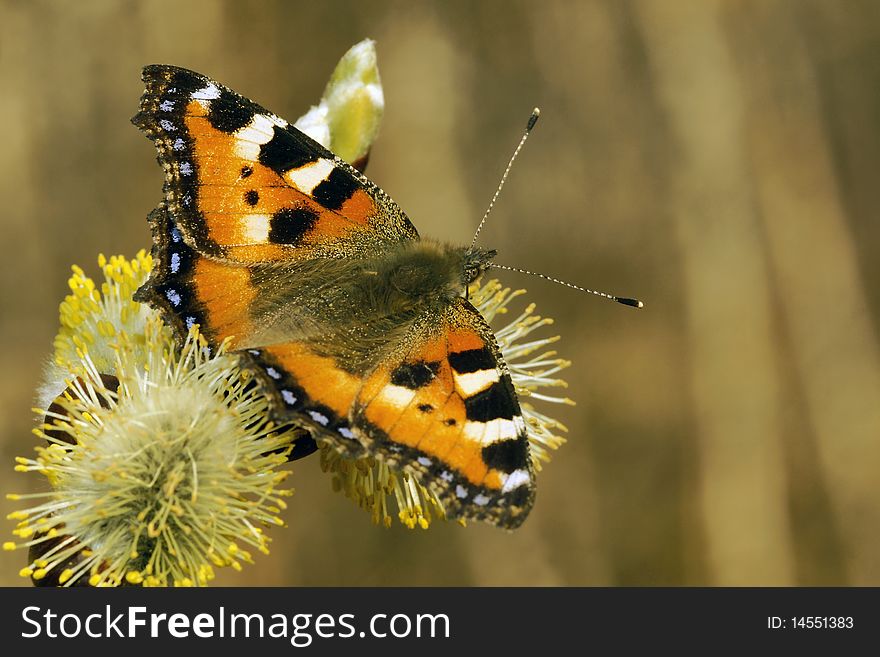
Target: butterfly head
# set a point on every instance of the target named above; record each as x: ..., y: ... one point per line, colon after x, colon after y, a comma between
x: 474, y: 263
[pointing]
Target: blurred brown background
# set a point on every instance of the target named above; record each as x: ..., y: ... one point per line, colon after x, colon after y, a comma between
x: 717, y: 159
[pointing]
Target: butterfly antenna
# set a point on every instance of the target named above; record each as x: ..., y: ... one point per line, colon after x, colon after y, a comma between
x: 626, y: 301
x: 533, y: 119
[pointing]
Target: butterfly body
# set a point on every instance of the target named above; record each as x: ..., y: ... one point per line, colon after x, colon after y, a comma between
x: 374, y: 295
x: 357, y: 329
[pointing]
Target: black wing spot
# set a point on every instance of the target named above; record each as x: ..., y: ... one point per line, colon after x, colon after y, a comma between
x: 450, y: 422
x: 246, y: 171
x: 178, y: 78
x: 335, y: 190
x: 426, y: 408
x: 414, y: 375
x: 289, y: 225
x: 282, y: 153
x: 230, y: 112
x: 251, y: 197
x: 507, y: 455
x: 496, y: 401
x: 520, y: 496
x: 473, y: 360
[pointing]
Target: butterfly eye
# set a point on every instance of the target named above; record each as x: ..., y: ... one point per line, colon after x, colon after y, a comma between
x: 471, y: 274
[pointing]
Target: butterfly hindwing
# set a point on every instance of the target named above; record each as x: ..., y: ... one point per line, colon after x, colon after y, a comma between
x: 309, y: 388
x: 446, y: 410
x: 443, y: 409
x: 243, y: 185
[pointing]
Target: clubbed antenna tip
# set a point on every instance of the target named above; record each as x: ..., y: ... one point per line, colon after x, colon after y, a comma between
x: 626, y: 301
x: 533, y: 119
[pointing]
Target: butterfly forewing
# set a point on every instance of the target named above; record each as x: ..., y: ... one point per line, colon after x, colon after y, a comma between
x: 243, y: 185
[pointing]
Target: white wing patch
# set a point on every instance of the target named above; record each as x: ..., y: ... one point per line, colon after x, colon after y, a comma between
x: 249, y: 138
x: 492, y: 431
x: 309, y: 176
x: 397, y: 396
x: 255, y: 227
x: 260, y: 130
x: 210, y: 92
x: 474, y: 382
x: 516, y: 479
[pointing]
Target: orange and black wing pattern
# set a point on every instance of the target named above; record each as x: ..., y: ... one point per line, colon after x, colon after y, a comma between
x: 243, y: 189
x: 190, y: 288
x: 243, y: 185
x: 443, y: 409
x: 309, y: 387
x: 446, y: 411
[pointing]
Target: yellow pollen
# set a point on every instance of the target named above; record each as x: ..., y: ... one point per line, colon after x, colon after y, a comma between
x: 134, y: 577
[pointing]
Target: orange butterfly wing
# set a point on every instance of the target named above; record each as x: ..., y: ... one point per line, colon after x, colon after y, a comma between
x: 243, y: 185
x: 445, y: 409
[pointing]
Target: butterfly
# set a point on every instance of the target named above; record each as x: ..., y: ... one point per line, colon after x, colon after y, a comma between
x: 358, y: 330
